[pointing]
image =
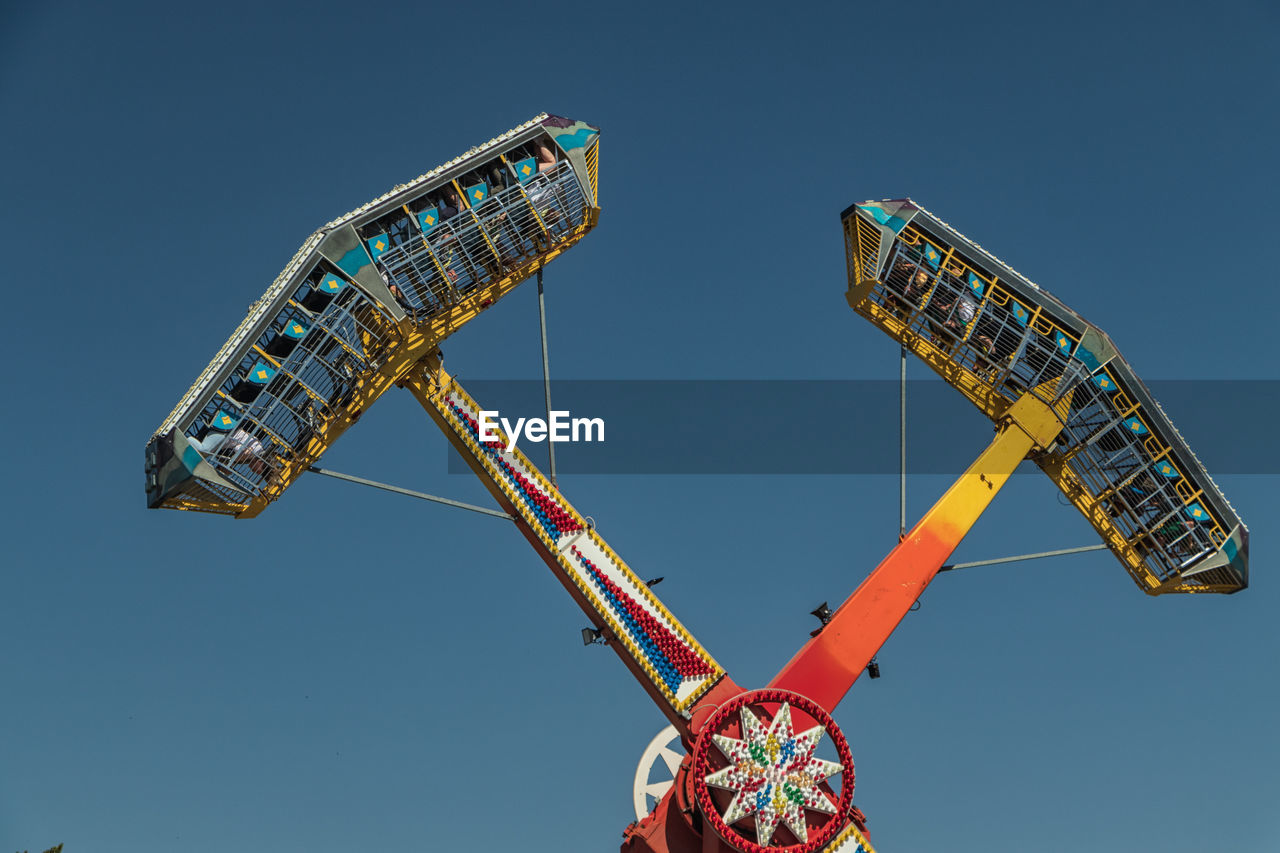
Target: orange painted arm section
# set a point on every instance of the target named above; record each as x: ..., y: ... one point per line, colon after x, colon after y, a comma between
x: 827, y: 666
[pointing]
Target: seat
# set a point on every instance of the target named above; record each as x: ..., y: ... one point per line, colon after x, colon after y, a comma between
x: 286, y: 339
x: 526, y: 169
x: 249, y: 387
x: 477, y: 193
x: 322, y: 294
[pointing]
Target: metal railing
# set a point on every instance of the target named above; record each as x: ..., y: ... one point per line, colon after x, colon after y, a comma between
x: 1008, y: 343
x: 349, y: 335
x: 1144, y: 493
x: 345, y: 339
x: 991, y: 333
x: 481, y: 245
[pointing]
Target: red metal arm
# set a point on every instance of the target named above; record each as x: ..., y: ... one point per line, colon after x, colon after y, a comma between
x: 827, y: 666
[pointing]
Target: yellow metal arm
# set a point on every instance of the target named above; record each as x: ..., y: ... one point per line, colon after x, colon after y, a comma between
x: 827, y: 666
x: 667, y: 661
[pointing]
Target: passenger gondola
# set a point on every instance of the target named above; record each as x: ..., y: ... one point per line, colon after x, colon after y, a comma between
x: 364, y: 298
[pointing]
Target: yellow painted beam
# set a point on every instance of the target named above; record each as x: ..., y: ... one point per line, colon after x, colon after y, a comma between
x: 826, y: 667
x: 436, y: 392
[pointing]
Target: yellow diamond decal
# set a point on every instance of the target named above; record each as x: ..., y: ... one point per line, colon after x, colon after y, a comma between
x: 297, y: 330
x: 226, y: 421
x: 526, y: 169
x: 262, y: 374
x: 477, y: 194
x: 379, y: 245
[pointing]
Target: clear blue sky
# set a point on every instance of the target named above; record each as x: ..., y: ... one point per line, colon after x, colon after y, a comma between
x: 356, y: 670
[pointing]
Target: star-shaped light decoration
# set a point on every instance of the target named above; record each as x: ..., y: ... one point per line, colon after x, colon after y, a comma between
x: 774, y: 774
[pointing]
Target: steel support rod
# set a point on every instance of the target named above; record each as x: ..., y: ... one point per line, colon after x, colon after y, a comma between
x: 902, y: 450
x: 546, y: 377
x: 1036, y: 556
x: 399, y: 491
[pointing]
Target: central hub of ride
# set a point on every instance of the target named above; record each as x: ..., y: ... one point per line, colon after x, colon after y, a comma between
x: 755, y: 762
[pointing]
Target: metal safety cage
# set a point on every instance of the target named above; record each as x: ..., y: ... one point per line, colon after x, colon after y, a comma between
x: 435, y: 269
x: 994, y: 335
x: 286, y: 388
x: 1139, y: 482
x: 361, y: 300
x: 978, y: 325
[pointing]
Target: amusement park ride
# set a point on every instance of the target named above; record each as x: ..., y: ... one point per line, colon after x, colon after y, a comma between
x: 365, y: 303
